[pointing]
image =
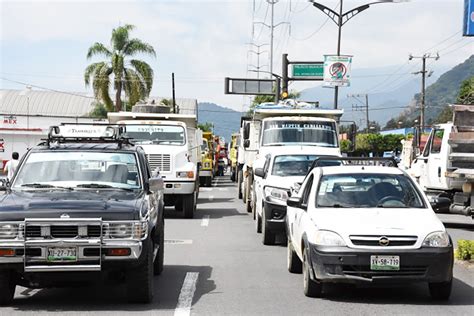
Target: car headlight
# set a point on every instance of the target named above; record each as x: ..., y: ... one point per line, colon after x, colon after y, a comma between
x: 140, y: 230
x: 120, y: 230
x: 328, y: 238
x: 185, y: 174
x: 8, y: 231
x: 436, y: 239
x: 276, y: 193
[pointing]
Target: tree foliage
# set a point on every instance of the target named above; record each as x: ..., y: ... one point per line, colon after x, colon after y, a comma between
x: 206, y: 127
x: 119, y: 69
x: 377, y: 143
x: 466, y: 92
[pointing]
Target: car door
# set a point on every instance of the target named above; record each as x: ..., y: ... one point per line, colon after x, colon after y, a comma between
x: 436, y: 164
x: 422, y: 164
x: 300, y: 214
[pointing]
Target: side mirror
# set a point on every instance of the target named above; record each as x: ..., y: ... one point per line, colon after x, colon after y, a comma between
x: 156, y: 184
x: 440, y: 204
x: 294, y: 202
x: 259, y: 172
x: 247, y: 143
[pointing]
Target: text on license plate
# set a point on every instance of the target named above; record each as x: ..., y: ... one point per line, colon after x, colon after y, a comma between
x: 384, y: 262
x: 62, y: 254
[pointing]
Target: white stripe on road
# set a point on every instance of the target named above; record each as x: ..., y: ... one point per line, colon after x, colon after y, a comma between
x: 215, y: 182
x: 211, y: 197
x: 185, y: 299
x: 222, y: 189
x: 205, y: 220
x: 179, y: 241
x: 205, y: 189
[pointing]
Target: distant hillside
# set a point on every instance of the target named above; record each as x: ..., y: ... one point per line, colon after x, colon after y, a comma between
x: 226, y: 121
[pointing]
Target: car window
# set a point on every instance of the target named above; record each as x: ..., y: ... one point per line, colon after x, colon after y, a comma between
x: 436, y: 141
x: 368, y: 191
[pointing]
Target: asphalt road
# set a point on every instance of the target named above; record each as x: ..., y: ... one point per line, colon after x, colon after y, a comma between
x: 216, y: 264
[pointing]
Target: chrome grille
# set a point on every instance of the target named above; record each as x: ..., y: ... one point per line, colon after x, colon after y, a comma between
x: 60, y: 231
x: 162, y: 161
x: 33, y: 231
x: 374, y: 241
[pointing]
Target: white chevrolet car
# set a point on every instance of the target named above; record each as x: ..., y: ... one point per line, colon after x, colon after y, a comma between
x: 360, y: 223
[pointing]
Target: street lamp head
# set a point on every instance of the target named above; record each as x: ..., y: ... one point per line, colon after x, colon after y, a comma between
x: 410, y: 57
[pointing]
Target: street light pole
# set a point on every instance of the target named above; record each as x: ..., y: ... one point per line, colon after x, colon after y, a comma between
x: 340, y: 19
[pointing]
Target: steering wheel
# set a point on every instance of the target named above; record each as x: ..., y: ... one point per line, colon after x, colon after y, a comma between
x: 390, y: 198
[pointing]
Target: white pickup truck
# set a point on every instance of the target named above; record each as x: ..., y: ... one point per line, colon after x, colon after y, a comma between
x: 172, y: 144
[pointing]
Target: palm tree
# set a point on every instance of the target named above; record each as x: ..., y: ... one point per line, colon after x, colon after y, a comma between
x: 133, y: 76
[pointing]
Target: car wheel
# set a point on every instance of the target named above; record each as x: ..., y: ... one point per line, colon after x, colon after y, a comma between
x: 189, y: 205
x: 258, y: 223
x: 268, y: 237
x: 440, y: 291
x: 239, y: 182
x: 140, y: 278
x: 311, y: 288
x: 293, y: 261
x: 158, y: 264
x: 7, y: 288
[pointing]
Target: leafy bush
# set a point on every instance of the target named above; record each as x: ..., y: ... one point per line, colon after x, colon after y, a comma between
x: 465, y: 250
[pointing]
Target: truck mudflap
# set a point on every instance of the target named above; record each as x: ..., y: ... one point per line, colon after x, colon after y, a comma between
x: 65, y: 251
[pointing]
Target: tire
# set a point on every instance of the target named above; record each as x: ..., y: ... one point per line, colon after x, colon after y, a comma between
x: 311, y: 288
x: 440, y: 291
x: 140, y: 278
x: 294, y: 263
x: 268, y: 237
x: 189, y: 205
x: 7, y: 288
x: 239, y: 182
x: 258, y: 223
x: 158, y: 264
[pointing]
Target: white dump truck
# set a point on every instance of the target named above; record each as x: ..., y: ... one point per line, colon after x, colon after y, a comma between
x: 172, y: 144
x: 298, y: 124
x: 445, y: 168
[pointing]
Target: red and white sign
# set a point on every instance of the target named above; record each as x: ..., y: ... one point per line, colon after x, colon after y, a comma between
x: 10, y: 119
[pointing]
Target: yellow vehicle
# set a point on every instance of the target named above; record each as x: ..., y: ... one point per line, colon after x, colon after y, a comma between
x: 206, y: 173
x: 234, y: 146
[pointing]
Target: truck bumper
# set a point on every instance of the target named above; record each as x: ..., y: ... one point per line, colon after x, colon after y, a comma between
x: 179, y: 187
x: 346, y: 265
x: 205, y: 173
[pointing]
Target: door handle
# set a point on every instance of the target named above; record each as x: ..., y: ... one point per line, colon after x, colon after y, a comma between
x: 439, y: 172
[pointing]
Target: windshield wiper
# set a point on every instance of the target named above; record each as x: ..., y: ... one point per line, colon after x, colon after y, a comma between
x: 101, y: 186
x: 333, y: 205
x: 45, y: 186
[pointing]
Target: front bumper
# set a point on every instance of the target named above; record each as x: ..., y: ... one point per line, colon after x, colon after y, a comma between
x: 275, y: 215
x: 343, y: 264
x: 179, y: 186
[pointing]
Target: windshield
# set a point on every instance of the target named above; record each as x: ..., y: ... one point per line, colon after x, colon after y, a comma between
x: 368, y: 191
x: 78, y: 169
x: 302, y: 133
x: 156, y: 134
x: 291, y: 165
x: 204, y: 145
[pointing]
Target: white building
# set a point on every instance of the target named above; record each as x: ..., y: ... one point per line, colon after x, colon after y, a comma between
x: 25, y: 117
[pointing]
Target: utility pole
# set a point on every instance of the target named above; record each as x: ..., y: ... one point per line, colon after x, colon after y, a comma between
x: 423, y: 73
x: 363, y: 108
x: 340, y: 19
x: 258, y: 53
x: 173, y: 93
x: 272, y: 27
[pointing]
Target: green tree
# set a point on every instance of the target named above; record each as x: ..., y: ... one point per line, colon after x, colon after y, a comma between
x: 99, y: 111
x: 132, y: 76
x: 206, y: 127
x: 466, y: 92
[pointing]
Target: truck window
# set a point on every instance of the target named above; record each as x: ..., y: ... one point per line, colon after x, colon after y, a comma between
x: 436, y: 141
x: 319, y: 133
x: 156, y: 134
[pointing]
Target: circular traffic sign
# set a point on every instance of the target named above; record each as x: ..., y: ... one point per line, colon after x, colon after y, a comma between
x: 338, y: 70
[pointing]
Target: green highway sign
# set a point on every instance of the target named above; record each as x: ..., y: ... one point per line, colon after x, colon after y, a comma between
x: 308, y: 71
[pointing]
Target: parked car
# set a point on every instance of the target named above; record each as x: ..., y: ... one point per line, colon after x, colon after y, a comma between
x: 358, y: 223
x: 82, y: 205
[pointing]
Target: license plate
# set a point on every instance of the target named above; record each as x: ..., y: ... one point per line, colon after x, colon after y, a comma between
x: 384, y: 263
x: 62, y: 254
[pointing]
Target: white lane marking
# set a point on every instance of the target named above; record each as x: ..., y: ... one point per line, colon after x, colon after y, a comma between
x: 205, y: 220
x: 185, y: 299
x: 179, y: 241
x: 211, y: 197
x: 29, y: 292
x: 215, y: 182
x: 222, y: 189
x: 205, y: 189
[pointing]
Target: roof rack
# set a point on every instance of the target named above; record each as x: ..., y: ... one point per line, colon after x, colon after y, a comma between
x: 87, y: 133
x: 354, y: 161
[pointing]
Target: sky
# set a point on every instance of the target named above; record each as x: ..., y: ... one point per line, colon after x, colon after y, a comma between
x: 44, y: 43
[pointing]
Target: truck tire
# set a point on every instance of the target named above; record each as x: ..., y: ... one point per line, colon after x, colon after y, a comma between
x: 140, y: 278
x: 258, y: 223
x: 244, y: 191
x: 239, y: 182
x: 158, y: 264
x: 268, y: 237
x: 440, y: 291
x: 294, y: 263
x: 310, y: 288
x: 189, y: 205
x: 7, y: 288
